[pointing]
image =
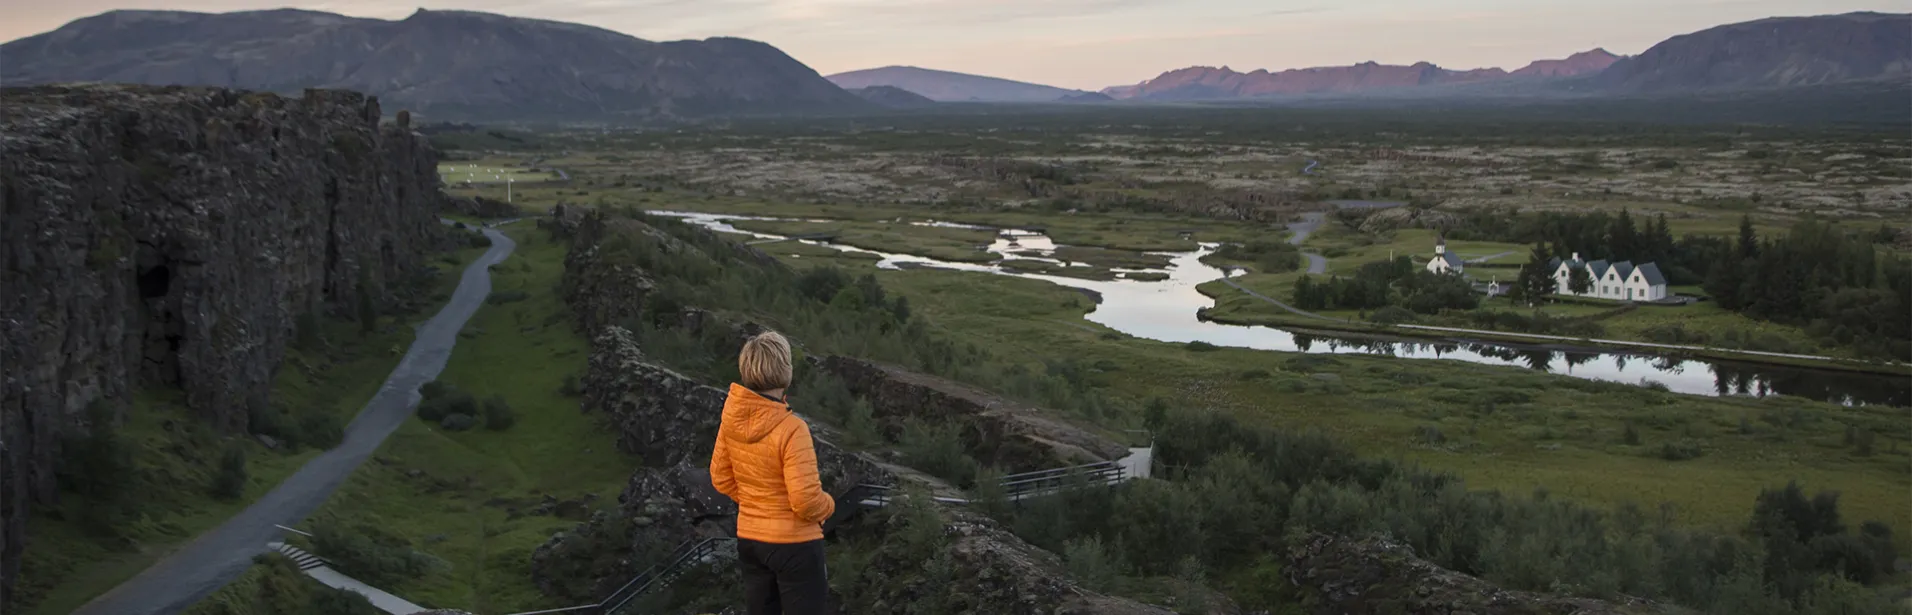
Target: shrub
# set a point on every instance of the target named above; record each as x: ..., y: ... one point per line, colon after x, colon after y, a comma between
x: 330, y: 601
x: 1199, y: 346
x: 230, y: 481
x: 434, y: 390
x: 937, y: 448
x: 98, y: 466
x: 1391, y: 315
x: 1680, y: 451
x: 458, y: 422
x: 452, y: 402
x: 1255, y: 374
x: 498, y: 414
x: 1091, y: 564
x: 320, y: 428
x: 509, y: 296
x: 368, y: 554
x: 1630, y: 436
x: 1430, y: 435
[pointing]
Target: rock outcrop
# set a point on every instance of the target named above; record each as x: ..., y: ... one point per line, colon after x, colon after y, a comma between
x: 996, y: 431
x: 169, y: 237
x: 658, y: 414
x: 996, y: 571
x: 1350, y: 576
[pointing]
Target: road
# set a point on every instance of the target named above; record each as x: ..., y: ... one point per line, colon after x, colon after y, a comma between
x: 1317, y: 264
x: 1483, y: 259
x: 217, y: 557
x: 1309, y: 170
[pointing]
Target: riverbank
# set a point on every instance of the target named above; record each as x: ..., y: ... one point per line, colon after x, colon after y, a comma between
x: 1424, y: 334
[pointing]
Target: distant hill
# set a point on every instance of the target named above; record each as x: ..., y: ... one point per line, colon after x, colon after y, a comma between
x: 1088, y: 97
x: 1206, y: 83
x: 440, y: 63
x: 1583, y: 63
x: 945, y: 86
x: 893, y: 97
x: 1777, y: 52
x: 1768, y: 53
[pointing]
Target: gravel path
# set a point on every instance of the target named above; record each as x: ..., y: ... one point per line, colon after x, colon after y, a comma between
x: 218, y: 556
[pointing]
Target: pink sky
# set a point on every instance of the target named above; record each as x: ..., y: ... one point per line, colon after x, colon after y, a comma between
x: 1088, y: 44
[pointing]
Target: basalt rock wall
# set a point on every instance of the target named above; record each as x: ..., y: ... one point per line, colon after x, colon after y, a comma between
x: 170, y: 237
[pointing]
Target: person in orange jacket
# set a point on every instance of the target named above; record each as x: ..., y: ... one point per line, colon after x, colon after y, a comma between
x: 765, y: 461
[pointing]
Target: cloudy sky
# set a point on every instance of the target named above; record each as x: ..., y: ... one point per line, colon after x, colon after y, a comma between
x: 1088, y: 43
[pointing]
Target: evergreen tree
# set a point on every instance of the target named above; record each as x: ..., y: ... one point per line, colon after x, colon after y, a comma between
x: 1535, y: 280
x: 1622, y: 238
x: 1748, y: 240
x: 1580, y: 280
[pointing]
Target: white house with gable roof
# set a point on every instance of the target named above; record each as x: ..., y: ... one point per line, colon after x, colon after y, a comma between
x: 1621, y: 281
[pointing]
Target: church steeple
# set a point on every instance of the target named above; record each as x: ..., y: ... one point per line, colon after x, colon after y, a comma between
x: 1440, y: 245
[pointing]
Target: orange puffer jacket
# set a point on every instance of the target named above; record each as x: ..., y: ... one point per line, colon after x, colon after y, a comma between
x: 765, y: 460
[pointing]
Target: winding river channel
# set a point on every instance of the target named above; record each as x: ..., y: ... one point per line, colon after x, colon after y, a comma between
x: 1166, y: 310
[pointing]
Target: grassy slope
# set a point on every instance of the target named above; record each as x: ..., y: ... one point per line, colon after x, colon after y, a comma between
x: 71, y: 565
x: 454, y: 503
x: 1565, y: 437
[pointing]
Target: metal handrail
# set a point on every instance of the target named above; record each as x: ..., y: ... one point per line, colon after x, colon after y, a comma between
x: 645, y: 582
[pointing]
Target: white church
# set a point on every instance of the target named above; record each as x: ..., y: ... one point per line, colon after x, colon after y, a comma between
x: 1621, y: 281
x: 1444, y: 262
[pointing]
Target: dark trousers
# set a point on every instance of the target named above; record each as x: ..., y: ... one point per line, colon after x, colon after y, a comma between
x: 783, y: 579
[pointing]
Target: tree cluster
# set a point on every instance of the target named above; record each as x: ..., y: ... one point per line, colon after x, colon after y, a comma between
x: 1387, y: 283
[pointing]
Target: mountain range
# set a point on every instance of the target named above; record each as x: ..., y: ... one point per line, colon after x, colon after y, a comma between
x: 452, y: 63
x: 1768, y: 53
x: 480, y: 66
x: 945, y: 86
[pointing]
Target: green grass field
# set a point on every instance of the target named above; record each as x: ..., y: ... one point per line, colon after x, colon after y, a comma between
x: 1506, y: 428
x: 68, y: 564
x: 470, y: 481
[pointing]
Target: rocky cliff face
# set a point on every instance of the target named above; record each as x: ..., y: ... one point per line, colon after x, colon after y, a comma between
x: 1350, y: 576
x: 996, y: 430
x: 443, y: 63
x: 169, y: 237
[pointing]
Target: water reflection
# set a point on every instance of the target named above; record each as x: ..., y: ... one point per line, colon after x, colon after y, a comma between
x: 1167, y: 310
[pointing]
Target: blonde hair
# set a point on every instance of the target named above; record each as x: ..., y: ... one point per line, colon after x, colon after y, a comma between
x: 764, y: 364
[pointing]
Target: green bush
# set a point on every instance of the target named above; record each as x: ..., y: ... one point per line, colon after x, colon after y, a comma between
x: 1090, y: 564
x: 1680, y: 451
x: 368, y: 554
x: 508, y: 296
x: 329, y: 601
x: 434, y: 390
x: 450, y: 402
x: 937, y: 448
x: 230, y: 481
x: 320, y: 428
x: 457, y: 422
x: 498, y: 414
x: 1199, y: 346
x: 1391, y: 315
x: 99, y: 467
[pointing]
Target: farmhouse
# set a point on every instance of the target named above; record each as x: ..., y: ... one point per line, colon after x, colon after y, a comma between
x: 1442, y: 261
x: 1622, y: 281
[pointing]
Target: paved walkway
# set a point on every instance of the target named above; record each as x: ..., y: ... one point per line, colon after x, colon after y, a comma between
x: 1317, y: 264
x: 218, y: 556
x: 384, y: 601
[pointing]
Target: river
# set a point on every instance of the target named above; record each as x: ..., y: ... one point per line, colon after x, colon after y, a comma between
x: 1166, y: 310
